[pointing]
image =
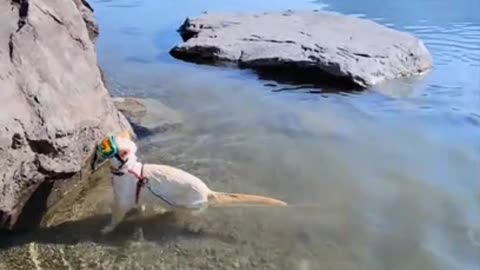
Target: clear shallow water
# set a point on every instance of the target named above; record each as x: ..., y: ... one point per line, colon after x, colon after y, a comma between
x: 383, y: 179
x: 401, y: 160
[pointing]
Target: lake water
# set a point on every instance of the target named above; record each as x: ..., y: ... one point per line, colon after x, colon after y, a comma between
x: 387, y: 178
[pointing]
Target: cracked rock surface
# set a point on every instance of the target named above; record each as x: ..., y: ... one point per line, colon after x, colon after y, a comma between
x: 314, y: 46
x: 54, y: 105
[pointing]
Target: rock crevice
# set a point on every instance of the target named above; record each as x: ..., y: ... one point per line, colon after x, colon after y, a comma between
x: 23, y: 7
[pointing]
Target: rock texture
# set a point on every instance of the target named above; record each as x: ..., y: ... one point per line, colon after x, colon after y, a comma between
x: 313, y: 46
x: 54, y: 104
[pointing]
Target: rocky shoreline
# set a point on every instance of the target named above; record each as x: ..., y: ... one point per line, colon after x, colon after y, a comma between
x: 55, y: 106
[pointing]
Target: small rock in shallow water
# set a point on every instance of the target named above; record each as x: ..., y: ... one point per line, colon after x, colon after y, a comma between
x: 132, y: 108
x: 148, y: 116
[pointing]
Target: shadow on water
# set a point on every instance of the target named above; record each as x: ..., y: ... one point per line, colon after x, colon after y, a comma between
x: 297, y: 77
x: 142, y: 132
x: 315, y: 79
x: 155, y: 228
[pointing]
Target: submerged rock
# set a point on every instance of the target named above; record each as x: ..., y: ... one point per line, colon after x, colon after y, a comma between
x: 307, y: 47
x: 54, y: 105
x: 132, y: 108
x: 148, y: 116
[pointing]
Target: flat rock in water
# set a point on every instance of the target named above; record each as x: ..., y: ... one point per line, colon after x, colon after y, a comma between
x: 308, y: 46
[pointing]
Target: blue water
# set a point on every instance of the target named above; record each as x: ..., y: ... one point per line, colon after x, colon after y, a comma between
x: 405, y: 156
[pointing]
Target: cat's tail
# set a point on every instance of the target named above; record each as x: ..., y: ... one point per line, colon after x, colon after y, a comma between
x: 225, y: 199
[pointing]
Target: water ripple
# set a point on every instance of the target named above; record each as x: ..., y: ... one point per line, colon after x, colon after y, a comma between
x: 455, y: 42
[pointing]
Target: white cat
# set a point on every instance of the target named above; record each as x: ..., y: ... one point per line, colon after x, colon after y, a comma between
x: 135, y: 183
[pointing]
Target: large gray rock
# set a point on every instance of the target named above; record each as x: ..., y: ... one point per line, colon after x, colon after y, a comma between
x: 54, y: 104
x: 313, y: 46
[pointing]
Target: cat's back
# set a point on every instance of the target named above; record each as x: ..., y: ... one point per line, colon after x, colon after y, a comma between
x: 176, y: 184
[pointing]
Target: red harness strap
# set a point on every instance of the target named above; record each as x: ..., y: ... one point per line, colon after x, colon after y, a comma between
x: 141, y: 181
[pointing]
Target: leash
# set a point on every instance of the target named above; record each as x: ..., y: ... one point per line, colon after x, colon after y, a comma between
x: 162, y: 198
x: 142, y: 181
